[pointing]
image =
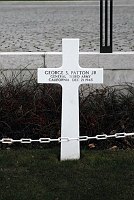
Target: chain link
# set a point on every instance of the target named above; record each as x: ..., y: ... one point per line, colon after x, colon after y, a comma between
x: 7, y: 140
x: 26, y: 141
x: 83, y: 138
x: 66, y: 139
x: 101, y: 137
x: 120, y: 135
x: 44, y: 140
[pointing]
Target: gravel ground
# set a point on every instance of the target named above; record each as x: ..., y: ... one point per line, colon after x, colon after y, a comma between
x: 40, y: 26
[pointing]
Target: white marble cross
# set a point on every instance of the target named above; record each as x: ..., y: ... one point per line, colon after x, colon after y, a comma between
x: 70, y: 75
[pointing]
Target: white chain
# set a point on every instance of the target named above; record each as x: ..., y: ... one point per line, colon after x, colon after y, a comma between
x: 65, y: 139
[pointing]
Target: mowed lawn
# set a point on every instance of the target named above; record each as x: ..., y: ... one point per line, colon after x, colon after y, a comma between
x: 38, y: 174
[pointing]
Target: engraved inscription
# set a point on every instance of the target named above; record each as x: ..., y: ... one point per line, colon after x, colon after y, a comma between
x: 70, y: 76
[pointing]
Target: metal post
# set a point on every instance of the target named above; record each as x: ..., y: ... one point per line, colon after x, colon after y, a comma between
x: 111, y: 25
x: 106, y: 42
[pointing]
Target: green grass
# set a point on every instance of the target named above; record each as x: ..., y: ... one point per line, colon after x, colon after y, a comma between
x: 39, y: 175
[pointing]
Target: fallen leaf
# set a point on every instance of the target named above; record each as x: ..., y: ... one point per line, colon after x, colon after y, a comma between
x: 91, y: 146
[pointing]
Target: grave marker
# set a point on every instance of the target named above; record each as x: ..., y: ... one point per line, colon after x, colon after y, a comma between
x: 70, y: 75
